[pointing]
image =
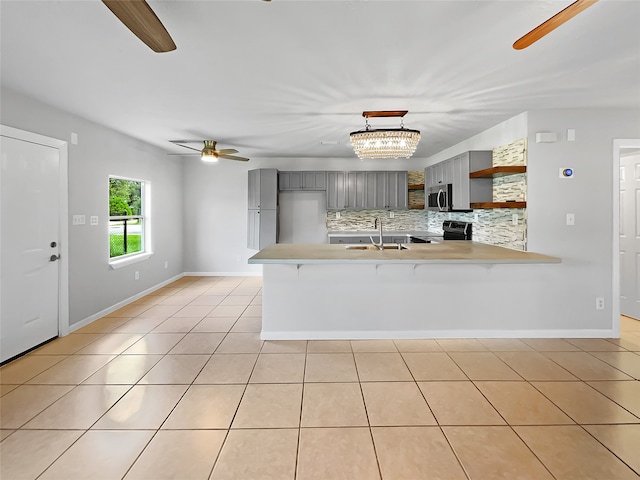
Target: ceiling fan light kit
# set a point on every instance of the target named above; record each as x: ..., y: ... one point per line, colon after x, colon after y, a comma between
x: 384, y: 142
x: 209, y: 154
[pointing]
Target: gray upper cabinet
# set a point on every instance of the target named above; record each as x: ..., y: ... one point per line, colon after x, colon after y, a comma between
x: 262, y: 215
x: 302, y: 181
x: 314, y: 181
x: 367, y: 190
x: 386, y: 190
x: 456, y: 172
x: 397, y: 193
x: 289, y: 181
x: 336, y: 190
x: 356, y: 190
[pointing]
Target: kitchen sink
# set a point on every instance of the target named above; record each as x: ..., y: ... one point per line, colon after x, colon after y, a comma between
x: 386, y: 246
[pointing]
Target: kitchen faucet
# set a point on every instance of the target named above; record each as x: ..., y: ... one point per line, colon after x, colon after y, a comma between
x: 377, y: 224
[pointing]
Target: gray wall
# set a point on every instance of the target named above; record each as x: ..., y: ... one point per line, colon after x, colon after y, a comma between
x: 101, y: 152
x: 586, y: 249
x: 215, y: 198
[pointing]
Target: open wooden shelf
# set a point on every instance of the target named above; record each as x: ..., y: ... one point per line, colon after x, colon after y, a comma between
x: 417, y: 186
x: 499, y: 205
x: 498, y: 171
x: 416, y: 207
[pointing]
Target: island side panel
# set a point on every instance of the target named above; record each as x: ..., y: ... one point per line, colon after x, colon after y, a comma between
x: 356, y: 301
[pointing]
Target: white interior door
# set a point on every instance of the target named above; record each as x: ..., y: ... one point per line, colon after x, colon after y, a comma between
x: 630, y: 233
x: 30, y: 244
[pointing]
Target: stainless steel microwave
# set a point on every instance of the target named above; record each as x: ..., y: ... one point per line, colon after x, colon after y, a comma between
x: 439, y: 197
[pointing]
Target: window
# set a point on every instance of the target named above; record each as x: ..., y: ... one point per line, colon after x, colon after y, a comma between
x: 128, y: 222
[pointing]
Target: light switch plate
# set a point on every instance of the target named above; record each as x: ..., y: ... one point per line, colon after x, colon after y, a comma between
x: 78, y: 220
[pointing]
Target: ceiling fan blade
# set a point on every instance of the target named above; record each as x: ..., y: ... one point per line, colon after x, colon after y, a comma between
x: 227, y: 151
x: 138, y: 17
x: 184, y: 154
x: 233, y: 157
x: 185, y: 146
x: 553, y: 23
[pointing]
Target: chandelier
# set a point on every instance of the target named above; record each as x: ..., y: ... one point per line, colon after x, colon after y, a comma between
x: 385, y: 142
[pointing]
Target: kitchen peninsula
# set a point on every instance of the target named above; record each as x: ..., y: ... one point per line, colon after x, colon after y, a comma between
x: 437, y: 290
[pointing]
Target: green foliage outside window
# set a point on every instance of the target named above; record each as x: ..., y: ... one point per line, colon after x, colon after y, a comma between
x: 126, y: 223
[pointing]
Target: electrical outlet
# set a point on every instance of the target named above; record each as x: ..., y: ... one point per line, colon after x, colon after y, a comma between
x: 136, y: 276
x: 599, y: 303
x: 514, y: 219
x: 337, y: 215
x: 392, y: 214
x: 93, y: 220
x: 571, y: 219
x: 166, y: 264
x: 476, y: 217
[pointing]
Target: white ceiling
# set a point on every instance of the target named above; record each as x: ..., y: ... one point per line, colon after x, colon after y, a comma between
x: 277, y: 79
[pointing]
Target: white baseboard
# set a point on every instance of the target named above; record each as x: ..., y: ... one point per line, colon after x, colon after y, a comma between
x: 430, y: 334
x: 222, y: 274
x: 113, y: 308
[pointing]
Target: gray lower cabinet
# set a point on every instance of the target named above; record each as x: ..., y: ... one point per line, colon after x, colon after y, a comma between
x: 262, y: 215
x: 348, y: 240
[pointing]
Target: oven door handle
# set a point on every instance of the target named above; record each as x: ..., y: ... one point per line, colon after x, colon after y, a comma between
x: 440, y: 192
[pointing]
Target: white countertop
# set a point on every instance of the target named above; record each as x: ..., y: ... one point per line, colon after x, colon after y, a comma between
x: 451, y: 251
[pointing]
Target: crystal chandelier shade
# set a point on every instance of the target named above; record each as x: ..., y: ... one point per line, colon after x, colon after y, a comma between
x: 389, y: 143
x: 385, y: 143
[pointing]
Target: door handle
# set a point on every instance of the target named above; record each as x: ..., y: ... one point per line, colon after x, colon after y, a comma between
x: 53, y: 258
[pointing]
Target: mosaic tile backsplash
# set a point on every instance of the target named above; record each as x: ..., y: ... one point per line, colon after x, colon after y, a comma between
x: 493, y: 226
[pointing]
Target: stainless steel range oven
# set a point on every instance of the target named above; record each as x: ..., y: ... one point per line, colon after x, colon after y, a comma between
x: 454, y: 230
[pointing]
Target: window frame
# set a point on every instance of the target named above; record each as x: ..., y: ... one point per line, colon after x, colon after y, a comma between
x: 145, y: 217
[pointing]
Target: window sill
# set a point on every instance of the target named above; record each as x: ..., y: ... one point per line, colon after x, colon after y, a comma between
x: 123, y: 262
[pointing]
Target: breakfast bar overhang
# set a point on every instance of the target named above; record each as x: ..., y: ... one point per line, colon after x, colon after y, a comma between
x: 449, y: 289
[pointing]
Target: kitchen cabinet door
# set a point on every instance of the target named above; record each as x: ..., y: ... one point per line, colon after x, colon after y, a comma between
x: 289, y: 181
x: 314, y: 181
x: 397, y: 194
x: 428, y: 177
x: 374, y: 190
x: 262, y: 218
x: 356, y: 189
x: 438, y: 173
x: 262, y: 228
x: 447, y: 170
x: 263, y: 188
x: 254, y: 189
x: 336, y: 190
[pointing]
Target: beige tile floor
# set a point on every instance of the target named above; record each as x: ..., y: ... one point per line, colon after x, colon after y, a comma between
x: 178, y: 385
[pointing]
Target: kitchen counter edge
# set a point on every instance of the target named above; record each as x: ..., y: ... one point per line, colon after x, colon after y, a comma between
x: 449, y: 252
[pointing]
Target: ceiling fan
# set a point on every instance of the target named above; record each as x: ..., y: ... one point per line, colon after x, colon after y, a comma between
x: 553, y: 23
x: 138, y: 17
x: 209, y: 153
